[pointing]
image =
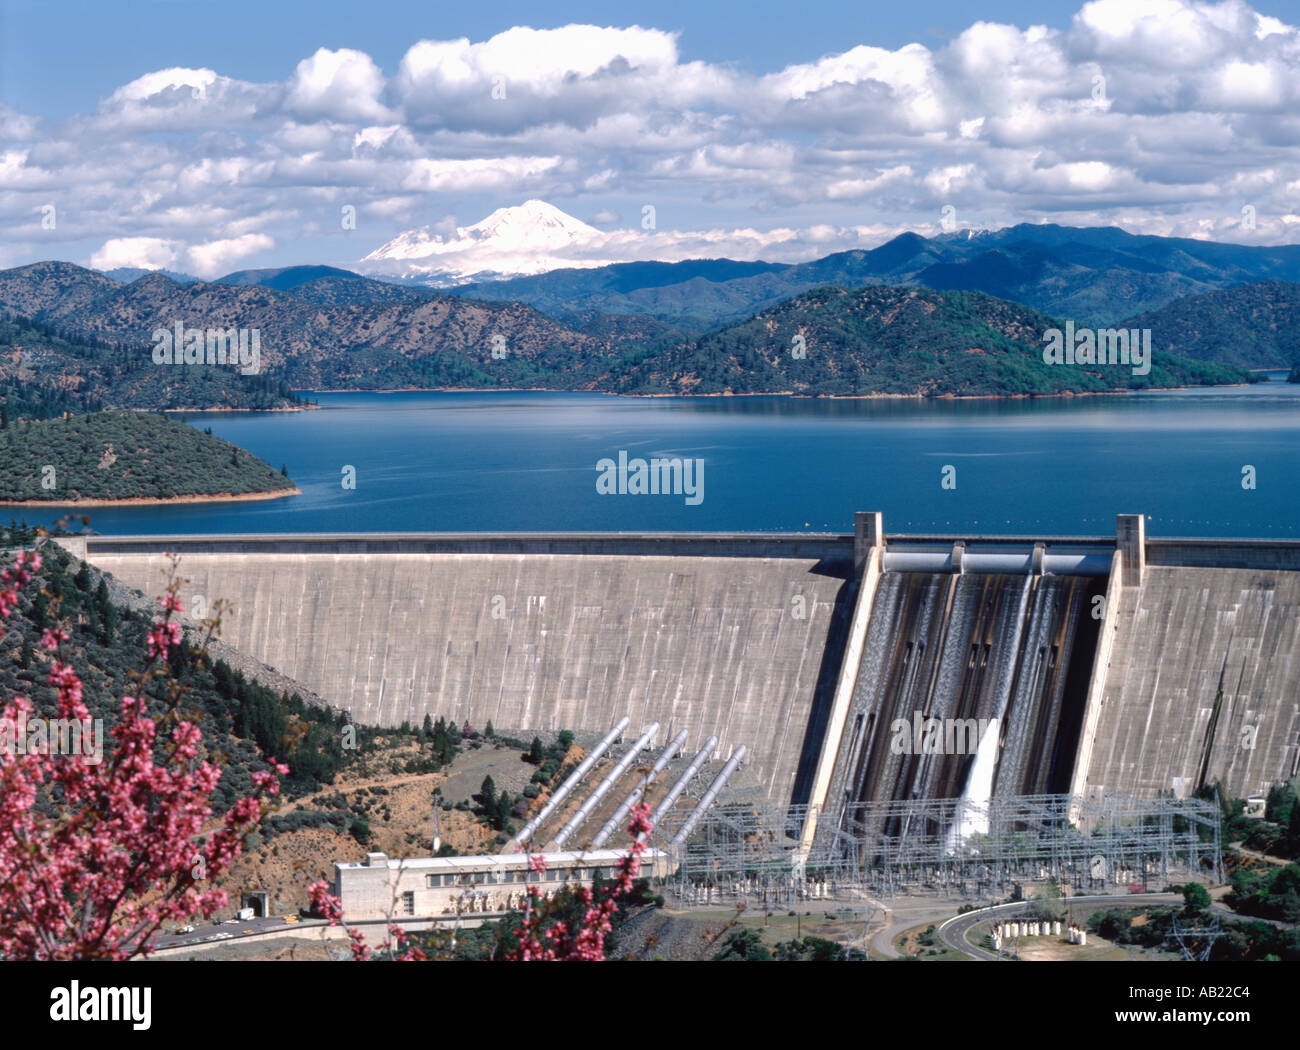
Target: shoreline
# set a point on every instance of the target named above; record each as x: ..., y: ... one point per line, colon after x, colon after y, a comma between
x: 1118, y: 392
x: 159, y: 501
x: 198, y: 411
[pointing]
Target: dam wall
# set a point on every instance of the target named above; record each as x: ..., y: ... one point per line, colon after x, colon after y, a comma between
x: 1117, y: 663
x: 738, y: 637
x: 1203, y: 682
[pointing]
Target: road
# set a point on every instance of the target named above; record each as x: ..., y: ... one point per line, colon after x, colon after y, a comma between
x: 953, y: 932
x: 231, y: 929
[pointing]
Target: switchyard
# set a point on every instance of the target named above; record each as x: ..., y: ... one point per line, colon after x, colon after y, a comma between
x: 753, y: 853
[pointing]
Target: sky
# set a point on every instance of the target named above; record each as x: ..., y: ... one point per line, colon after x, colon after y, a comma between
x: 208, y: 137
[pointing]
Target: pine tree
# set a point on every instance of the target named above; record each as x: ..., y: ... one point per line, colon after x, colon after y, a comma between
x: 108, y: 625
x: 487, y: 795
x: 443, y: 748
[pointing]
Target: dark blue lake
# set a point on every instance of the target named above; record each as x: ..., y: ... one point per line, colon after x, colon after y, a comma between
x: 527, y: 461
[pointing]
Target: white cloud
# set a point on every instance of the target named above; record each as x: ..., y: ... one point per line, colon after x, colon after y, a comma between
x: 851, y: 189
x: 524, y: 77
x: 1199, y: 115
x: 541, y: 60
x: 16, y: 126
x: 341, y: 85
x: 461, y: 176
x: 215, y: 258
x: 147, y: 253
x: 196, y: 82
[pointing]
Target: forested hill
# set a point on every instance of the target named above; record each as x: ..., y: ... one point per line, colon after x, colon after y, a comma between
x: 887, y: 340
x: 877, y: 339
x: 431, y: 341
x: 45, y: 372
x: 1254, y: 325
x: 1095, y: 275
x: 125, y: 456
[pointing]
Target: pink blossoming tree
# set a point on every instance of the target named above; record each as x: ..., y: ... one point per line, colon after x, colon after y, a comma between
x: 96, y: 855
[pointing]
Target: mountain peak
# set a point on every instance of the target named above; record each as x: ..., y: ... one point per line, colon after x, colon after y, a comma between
x: 526, y: 238
x: 533, y: 224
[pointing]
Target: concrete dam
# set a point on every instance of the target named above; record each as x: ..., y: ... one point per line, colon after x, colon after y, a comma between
x: 1085, y: 665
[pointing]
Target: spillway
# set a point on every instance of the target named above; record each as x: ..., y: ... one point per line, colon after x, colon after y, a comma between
x: 946, y: 655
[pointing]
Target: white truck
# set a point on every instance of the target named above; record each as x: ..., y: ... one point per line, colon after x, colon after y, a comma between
x: 245, y: 914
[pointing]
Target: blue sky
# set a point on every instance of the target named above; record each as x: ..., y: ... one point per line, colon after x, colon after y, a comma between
x: 211, y: 136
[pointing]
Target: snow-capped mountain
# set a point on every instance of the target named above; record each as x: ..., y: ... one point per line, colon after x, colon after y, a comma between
x: 528, y: 239
x: 535, y: 237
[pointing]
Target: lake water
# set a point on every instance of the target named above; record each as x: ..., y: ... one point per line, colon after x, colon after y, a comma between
x: 527, y: 461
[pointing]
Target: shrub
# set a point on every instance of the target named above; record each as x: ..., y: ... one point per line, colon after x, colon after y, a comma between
x: 743, y: 945
x: 359, y: 829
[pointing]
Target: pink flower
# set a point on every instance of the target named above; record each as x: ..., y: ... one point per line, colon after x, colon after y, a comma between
x: 53, y: 637
x: 98, y: 875
x: 164, y: 635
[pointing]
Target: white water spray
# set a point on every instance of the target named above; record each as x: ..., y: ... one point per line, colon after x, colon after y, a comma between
x: 972, y: 816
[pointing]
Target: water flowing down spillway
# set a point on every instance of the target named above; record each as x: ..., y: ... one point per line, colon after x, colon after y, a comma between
x: 968, y: 683
x: 973, y: 809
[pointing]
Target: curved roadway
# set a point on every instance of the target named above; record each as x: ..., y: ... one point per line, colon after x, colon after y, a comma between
x: 953, y: 931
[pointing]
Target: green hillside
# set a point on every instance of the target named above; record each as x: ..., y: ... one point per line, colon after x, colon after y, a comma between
x: 45, y: 372
x: 887, y: 340
x: 1253, y: 325
x: 978, y: 338
x: 124, y: 455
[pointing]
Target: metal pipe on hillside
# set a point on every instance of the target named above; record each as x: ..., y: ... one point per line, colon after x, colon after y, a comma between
x: 564, y: 789
x: 718, y: 783
x: 620, y: 814
x: 611, y: 778
x: 675, y: 791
